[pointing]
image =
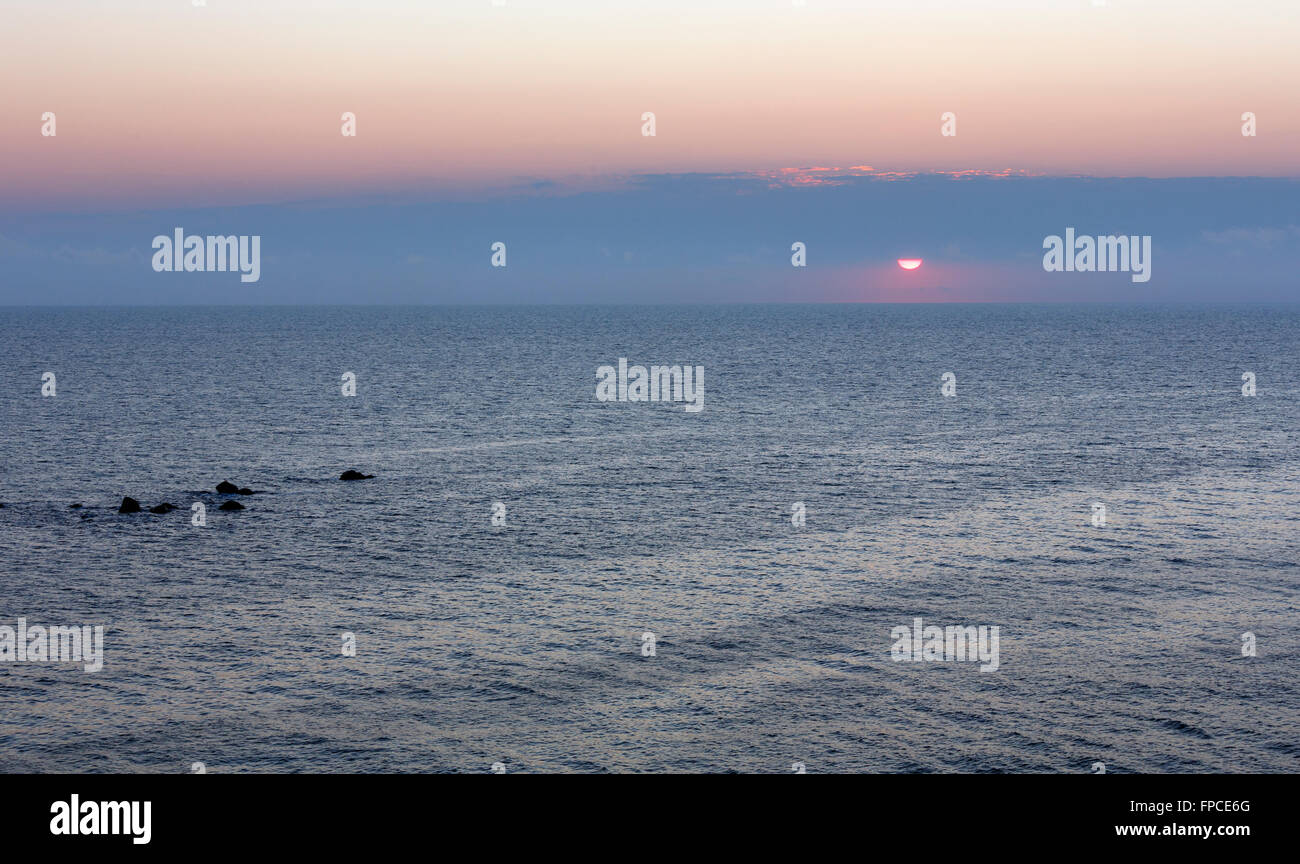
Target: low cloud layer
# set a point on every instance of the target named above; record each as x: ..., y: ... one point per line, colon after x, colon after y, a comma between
x: 691, y: 238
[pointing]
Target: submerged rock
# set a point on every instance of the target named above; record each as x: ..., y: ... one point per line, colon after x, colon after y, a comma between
x: 355, y: 475
x: 231, y: 505
x: 244, y: 490
x: 129, y: 505
x: 70, y: 506
x: 163, y: 508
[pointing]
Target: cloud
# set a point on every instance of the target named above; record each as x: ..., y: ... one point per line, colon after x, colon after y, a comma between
x: 1240, y: 240
x: 687, y: 238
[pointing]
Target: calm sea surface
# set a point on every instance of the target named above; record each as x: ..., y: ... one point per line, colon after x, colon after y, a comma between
x: 522, y: 644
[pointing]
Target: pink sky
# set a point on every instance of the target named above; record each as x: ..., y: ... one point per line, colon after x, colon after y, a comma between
x: 239, y: 102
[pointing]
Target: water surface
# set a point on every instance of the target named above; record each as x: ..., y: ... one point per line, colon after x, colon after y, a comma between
x: 522, y: 644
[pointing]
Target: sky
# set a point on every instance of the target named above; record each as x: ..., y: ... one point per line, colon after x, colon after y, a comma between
x: 775, y: 121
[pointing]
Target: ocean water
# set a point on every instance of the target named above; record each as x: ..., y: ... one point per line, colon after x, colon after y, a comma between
x: 521, y: 644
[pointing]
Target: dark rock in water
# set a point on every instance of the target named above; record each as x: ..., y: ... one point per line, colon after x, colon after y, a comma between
x: 231, y: 505
x: 225, y: 487
x: 163, y: 508
x: 129, y: 505
x: 70, y: 506
x: 355, y: 475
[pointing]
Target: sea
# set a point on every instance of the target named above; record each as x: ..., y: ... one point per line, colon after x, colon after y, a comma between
x: 536, y: 580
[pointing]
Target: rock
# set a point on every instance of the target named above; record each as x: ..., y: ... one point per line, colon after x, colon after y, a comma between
x: 129, y: 505
x: 231, y: 505
x: 163, y: 508
x: 70, y: 506
x: 225, y: 487
x: 355, y: 475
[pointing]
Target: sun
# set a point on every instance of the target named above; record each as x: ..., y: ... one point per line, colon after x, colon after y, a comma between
x: 909, y: 263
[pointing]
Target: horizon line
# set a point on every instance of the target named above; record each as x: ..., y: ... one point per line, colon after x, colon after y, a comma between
x: 1120, y: 303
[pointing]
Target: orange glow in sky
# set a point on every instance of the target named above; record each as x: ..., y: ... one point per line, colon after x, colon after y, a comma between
x: 242, y: 102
